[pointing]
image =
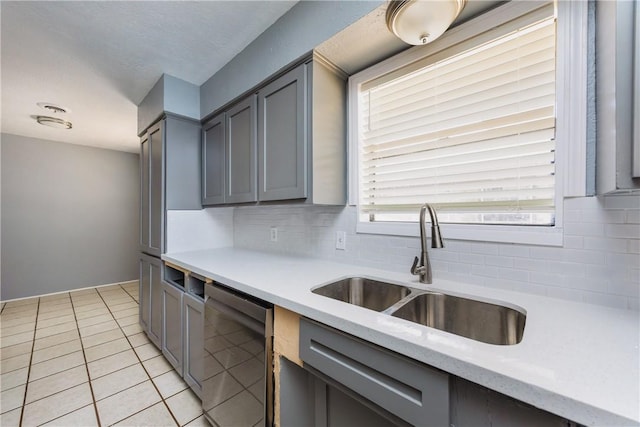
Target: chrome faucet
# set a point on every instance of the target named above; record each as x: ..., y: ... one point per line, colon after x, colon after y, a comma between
x: 424, y: 268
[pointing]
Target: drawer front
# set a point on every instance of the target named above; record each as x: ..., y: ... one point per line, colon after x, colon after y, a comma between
x: 412, y: 391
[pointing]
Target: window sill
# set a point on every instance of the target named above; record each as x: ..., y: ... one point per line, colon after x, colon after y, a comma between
x: 543, y: 236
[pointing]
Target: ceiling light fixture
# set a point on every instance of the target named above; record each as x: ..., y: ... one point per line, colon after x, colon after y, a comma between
x: 53, y: 108
x: 54, y: 122
x: 420, y: 22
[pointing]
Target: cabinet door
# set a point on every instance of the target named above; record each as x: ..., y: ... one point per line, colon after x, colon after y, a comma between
x: 172, y: 325
x: 182, y: 159
x: 155, y: 301
x: 144, y: 193
x: 282, y: 138
x: 156, y: 190
x: 144, y: 293
x: 193, y: 321
x: 150, y: 307
x: 241, y: 152
x: 213, y: 158
x: 407, y: 389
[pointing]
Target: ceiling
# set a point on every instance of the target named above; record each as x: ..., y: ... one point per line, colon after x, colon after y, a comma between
x: 100, y: 58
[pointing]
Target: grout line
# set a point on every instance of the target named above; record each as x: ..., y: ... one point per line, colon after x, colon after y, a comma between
x: 123, y: 288
x: 55, y: 344
x: 109, y: 355
x: 26, y: 385
x: 2, y: 336
x: 64, y: 415
x: 53, y: 358
x: 86, y: 367
x: 59, y: 391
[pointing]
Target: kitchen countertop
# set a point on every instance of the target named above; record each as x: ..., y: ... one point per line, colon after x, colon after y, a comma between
x: 575, y: 360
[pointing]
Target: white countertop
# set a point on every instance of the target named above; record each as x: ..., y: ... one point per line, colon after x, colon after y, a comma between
x: 579, y: 361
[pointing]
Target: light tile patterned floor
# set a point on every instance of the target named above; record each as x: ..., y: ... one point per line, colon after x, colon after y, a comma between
x: 81, y: 359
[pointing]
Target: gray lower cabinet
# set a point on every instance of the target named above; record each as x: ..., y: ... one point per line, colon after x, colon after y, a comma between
x: 193, y: 321
x: 415, y: 393
x: 183, y: 324
x: 308, y: 400
x: 172, y: 328
x: 151, y: 298
x: 347, y: 381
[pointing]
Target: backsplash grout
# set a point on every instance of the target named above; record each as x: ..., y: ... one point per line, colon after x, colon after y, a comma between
x: 598, y: 264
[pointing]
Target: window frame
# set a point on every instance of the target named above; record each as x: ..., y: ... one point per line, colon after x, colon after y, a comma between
x: 571, y: 121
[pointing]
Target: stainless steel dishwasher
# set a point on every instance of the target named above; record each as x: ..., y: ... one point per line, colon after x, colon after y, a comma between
x: 237, y: 389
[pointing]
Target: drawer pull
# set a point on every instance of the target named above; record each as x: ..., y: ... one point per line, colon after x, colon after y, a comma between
x: 399, y: 388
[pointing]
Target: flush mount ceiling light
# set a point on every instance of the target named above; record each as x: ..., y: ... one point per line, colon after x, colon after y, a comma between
x: 420, y: 22
x: 53, y: 108
x: 54, y: 122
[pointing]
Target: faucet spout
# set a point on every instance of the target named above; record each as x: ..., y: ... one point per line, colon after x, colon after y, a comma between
x: 422, y: 266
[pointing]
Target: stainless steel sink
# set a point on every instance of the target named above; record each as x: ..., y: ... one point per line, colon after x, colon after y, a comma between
x: 363, y: 292
x: 480, y: 321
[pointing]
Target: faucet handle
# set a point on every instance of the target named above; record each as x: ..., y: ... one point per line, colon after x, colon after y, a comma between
x: 415, y: 269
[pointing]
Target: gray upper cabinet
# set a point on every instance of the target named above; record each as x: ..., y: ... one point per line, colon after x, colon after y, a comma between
x: 617, y: 121
x: 241, y: 152
x: 151, y: 191
x: 145, y: 169
x: 302, y: 151
x: 282, y: 142
x: 213, y: 161
x: 286, y: 143
x: 169, y: 177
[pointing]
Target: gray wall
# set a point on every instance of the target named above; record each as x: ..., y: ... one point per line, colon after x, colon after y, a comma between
x: 69, y: 216
x: 297, y: 32
x: 169, y: 94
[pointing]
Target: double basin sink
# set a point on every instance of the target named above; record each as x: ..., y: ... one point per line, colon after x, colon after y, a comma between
x: 478, y: 320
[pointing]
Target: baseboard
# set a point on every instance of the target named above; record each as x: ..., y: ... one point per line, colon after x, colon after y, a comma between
x: 72, y: 290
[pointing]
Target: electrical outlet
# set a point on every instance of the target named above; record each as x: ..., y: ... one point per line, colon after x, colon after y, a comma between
x: 341, y: 240
x: 274, y: 234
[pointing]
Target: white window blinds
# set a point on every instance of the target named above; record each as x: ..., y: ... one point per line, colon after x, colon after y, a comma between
x: 471, y: 131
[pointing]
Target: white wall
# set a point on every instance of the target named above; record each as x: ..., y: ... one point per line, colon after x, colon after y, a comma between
x: 199, y: 229
x: 599, y: 262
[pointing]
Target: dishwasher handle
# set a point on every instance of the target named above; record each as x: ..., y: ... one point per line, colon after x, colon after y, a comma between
x: 237, y: 316
x: 242, y: 310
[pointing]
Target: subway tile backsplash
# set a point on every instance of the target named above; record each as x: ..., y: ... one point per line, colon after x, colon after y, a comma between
x: 599, y: 262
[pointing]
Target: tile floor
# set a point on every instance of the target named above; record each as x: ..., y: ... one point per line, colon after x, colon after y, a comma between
x: 81, y: 359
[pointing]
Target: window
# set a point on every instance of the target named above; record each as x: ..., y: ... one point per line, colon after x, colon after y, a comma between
x: 468, y: 124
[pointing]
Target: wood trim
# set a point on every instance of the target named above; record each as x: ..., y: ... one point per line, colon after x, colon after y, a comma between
x: 185, y: 271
